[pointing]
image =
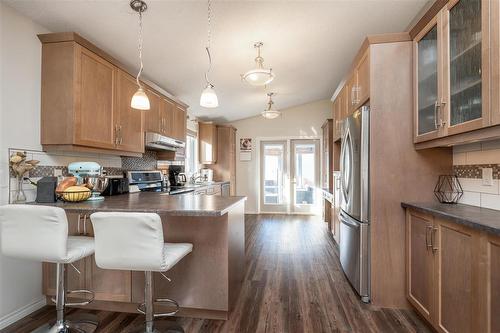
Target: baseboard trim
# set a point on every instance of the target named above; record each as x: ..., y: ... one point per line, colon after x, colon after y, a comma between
x: 22, y: 312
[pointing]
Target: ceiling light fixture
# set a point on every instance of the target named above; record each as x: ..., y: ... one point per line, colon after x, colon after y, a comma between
x: 270, y: 113
x: 140, y: 100
x: 208, y: 98
x: 258, y: 76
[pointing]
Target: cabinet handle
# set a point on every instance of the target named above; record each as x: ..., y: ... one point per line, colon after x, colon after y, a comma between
x: 85, y: 224
x: 436, y: 106
x: 78, y: 225
x: 116, y: 134
x: 120, y: 131
x: 433, y: 236
x: 441, y: 121
x: 428, y: 229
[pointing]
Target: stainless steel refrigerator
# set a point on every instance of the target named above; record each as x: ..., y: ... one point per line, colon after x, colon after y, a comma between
x: 354, y: 201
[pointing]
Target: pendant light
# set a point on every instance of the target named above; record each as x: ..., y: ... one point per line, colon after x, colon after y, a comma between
x: 208, y: 98
x: 258, y: 76
x: 140, y: 100
x: 270, y: 113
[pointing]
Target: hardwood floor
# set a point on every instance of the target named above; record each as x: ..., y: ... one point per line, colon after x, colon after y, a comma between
x: 293, y: 284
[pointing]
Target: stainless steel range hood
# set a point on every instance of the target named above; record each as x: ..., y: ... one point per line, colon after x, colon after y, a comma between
x: 155, y: 141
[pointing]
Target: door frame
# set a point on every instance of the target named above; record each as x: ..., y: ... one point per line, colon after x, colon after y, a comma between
x: 283, y: 207
x: 257, y: 182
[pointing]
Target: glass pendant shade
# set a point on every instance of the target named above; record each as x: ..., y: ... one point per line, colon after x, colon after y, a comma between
x: 140, y: 100
x: 271, y: 114
x: 208, y: 97
x: 258, y: 76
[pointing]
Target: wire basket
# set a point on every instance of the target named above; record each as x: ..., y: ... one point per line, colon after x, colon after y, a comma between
x: 448, y: 189
x: 74, y: 196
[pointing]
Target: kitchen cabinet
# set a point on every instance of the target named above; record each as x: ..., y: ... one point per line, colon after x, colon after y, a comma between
x: 358, y: 84
x: 108, y: 285
x: 85, y: 101
x: 327, y: 158
x: 225, y: 189
x: 207, y: 141
x: 128, y: 121
x: 452, y: 71
x: 495, y: 62
x: 225, y: 168
x: 448, y: 279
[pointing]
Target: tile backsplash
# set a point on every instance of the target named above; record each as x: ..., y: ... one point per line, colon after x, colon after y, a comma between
x: 468, y: 164
x: 56, y: 163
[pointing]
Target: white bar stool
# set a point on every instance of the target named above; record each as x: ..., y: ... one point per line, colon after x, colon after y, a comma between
x: 40, y: 233
x: 134, y: 241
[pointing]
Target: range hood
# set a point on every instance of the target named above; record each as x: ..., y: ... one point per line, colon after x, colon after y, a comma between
x: 155, y: 141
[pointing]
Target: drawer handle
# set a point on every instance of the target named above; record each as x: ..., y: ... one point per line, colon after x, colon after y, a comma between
x: 433, y: 236
x: 428, y: 229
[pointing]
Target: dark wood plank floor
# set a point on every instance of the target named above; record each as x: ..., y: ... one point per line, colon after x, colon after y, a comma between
x: 293, y: 284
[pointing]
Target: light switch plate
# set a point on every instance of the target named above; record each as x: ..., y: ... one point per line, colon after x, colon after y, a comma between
x: 487, y: 176
x: 57, y: 172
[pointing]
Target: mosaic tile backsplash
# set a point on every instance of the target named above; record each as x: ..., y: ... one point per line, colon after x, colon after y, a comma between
x: 56, y: 164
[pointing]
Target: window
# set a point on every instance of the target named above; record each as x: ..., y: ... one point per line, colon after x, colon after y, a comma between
x: 191, y: 155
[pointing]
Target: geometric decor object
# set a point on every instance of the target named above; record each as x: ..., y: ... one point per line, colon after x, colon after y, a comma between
x: 448, y: 189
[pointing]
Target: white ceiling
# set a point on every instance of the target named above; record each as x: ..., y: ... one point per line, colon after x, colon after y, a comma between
x: 309, y: 44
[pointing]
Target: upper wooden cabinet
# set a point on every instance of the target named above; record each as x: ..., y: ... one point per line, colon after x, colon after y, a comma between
x: 207, y: 141
x: 85, y: 101
x: 225, y: 168
x: 452, y: 71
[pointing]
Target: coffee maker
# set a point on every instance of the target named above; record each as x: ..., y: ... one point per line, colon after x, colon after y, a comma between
x: 176, y: 175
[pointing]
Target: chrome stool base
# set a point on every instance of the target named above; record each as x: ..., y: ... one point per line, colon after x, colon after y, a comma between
x: 67, y: 327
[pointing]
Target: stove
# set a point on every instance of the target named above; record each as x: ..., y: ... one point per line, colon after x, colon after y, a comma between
x: 153, y: 181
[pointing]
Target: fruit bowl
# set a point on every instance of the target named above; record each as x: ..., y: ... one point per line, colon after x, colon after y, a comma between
x: 74, y: 195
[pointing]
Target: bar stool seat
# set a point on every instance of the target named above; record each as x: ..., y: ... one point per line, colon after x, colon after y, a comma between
x: 134, y: 241
x: 40, y: 233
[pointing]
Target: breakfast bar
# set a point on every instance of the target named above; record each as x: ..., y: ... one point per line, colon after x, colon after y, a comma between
x: 205, y: 284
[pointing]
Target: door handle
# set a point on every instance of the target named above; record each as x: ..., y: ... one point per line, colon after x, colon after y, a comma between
x: 436, y: 106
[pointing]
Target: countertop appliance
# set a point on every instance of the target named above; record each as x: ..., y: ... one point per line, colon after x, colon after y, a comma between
x: 207, y: 175
x: 152, y: 181
x: 176, y: 175
x: 117, y: 185
x: 90, y: 174
x: 155, y: 141
x: 354, y: 201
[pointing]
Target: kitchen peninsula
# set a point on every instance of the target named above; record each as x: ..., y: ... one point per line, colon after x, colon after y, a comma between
x: 206, y: 283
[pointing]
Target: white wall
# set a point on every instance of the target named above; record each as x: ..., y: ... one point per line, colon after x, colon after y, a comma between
x: 303, y: 121
x: 20, y: 52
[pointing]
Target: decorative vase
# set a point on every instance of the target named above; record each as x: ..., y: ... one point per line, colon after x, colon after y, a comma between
x: 19, y: 196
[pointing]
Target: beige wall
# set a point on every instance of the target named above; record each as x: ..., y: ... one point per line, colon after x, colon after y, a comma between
x: 302, y: 121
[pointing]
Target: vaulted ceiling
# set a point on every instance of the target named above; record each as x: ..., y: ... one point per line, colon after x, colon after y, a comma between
x: 308, y: 44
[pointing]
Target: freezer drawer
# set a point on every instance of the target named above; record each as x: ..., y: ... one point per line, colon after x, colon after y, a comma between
x: 354, y: 238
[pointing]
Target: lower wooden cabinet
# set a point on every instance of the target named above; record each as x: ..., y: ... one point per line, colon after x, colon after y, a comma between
x: 453, y: 274
x: 108, y: 285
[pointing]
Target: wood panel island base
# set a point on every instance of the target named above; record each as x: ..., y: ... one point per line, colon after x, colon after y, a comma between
x: 206, y: 283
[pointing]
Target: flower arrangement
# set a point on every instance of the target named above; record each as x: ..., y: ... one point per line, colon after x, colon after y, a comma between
x: 20, y: 167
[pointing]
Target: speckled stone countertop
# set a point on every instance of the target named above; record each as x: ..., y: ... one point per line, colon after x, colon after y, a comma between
x: 151, y: 202
x: 484, y: 219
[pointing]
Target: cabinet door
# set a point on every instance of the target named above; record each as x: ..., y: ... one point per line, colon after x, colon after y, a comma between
x: 363, y: 83
x: 427, y: 88
x: 108, y: 284
x: 454, y: 249
x: 466, y: 48
x: 495, y: 62
x: 167, y: 117
x: 153, y: 121
x: 94, y: 100
x: 419, y: 263
x: 207, y: 142
x: 492, y: 284
x: 180, y: 119
x: 128, y: 123
x: 351, y: 93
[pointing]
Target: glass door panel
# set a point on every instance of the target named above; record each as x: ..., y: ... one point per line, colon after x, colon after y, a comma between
x: 427, y: 67
x: 465, y: 61
x: 305, y: 176
x: 273, y: 175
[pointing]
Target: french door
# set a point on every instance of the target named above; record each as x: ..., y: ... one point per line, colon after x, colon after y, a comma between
x: 289, y: 176
x: 305, y: 176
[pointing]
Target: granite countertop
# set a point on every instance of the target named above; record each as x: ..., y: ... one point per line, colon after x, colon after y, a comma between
x: 475, y: 217
x: 153, y: 202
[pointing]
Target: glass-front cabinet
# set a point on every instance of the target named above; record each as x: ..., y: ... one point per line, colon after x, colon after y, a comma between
x: 452, y: 71
x: 427, y: 67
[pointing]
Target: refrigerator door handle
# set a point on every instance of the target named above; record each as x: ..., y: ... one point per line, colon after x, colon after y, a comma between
x: 365, y: 165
